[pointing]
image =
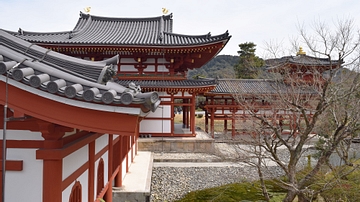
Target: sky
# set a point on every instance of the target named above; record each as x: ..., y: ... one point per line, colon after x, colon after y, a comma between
x: 258, y: 21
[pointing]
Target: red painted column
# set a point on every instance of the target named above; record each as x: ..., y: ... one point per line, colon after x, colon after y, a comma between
x: 91, y: 173
x: 110, y: 169
x: 52, y: 179
x: 118, y: 179
x: 192, y: 115
x: 127, y: 146
x: 212, y: 122
x: 206, y: 121
x: 184, y: 111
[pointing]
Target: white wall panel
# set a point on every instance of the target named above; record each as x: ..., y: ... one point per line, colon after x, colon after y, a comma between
x: 22, y: 135
x: 74, y: 161
x: 162, y: 111
x: 155, y: 126
x: 25, y: 185
x: 162, y: 68
x: 150, y: 68
x: 127, y: 60
x: 128, y: 68
x: 101, y: 142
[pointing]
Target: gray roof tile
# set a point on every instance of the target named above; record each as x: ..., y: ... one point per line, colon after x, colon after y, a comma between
x: 193, y: 83
x: 66, y: 76
x: 96, y: 30
x: 254, y: 86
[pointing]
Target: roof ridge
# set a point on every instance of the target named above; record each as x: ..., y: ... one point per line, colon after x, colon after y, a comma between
x: 95, y: 17
x: 82, y: 29
x: 208, y: 35
x: 23, y: 32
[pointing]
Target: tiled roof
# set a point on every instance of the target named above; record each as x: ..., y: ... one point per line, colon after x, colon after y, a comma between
x: 95, y: 30
x: 66, y: 76
x: 300, y: 60
x: 253, y: 86
x: 194, y: 83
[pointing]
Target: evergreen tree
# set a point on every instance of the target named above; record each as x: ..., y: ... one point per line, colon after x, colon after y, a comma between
x: 249, y: 64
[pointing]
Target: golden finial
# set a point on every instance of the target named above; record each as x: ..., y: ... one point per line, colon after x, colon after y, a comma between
x: 165, y: 11
x: 87, y: 9
x: 301, y: 52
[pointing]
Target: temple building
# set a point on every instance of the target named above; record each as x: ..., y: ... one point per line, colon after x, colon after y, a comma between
x: 70, y: 130
x: 150, y: 55
x: 75, y: 102
x: 232, y: 99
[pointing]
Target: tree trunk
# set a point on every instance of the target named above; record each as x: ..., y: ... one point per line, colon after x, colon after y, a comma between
x: 302, y: 198
x: 290, y: 196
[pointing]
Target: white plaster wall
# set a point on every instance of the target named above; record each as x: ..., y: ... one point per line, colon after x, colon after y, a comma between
x: 25, y: 185
x: 162, y: 68
x: 74, y: 161
x: 155, y: 126
x: 128, y: 68
x: 149, y: 60
x: 101, y: 142
x: 150, y: 68
x: 83, y: 179
x: 166, y: 99
x: 162, y: 61
x: 127, y: 60
x: 21, y: 135
x: 162, y: 111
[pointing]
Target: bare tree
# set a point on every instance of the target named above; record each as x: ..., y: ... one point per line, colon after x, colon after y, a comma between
x: 312, y: 102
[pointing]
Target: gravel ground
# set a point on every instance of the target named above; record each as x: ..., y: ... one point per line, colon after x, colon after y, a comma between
x: 172, y: 183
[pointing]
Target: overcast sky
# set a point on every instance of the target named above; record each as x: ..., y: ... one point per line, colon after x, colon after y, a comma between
x: 257, y: 21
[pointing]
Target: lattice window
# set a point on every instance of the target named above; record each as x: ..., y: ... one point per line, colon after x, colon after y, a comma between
x: 100, y: 177
x: 75, y: 195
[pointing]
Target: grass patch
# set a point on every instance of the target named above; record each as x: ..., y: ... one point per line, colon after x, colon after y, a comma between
x: 246, y: 191
x: 339, y: 189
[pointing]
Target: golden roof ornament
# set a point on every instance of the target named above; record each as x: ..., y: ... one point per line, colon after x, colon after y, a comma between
x: 301, y: 52
x: 87, y: 9
x: 165, y: 11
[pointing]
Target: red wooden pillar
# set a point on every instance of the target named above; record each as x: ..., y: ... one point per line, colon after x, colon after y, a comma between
x: 192, y: 115
x: 110, y: 168
x: 127, y: 143
x: 52, y: 180
x: 52, y: 168
x: 212, y: 122
x: 233, y: 123
x: 132, y: 147
x: 91, y: 172
x: 206, y: 121
x: 184, y: 114
x: 225, y: 125
x: 118, y: 179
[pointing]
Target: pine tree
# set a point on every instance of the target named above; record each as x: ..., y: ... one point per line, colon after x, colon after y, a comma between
x: 249, y: 64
